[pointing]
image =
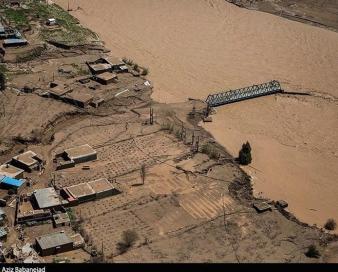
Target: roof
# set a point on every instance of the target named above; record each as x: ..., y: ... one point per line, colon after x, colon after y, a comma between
x: 100, y: 67
x: 27, y: 158
x: 106, y: 76
x: 11, y: 181
x: 79, y: 95
x: 101, y: 185
x: 59, y: 91
x: 14, y: 41
x: 80, y: 190
x: 80, y: 151
x: 53, y: 240
x: 10, y: 170
x: 47, y: 198
x: 61, y: 218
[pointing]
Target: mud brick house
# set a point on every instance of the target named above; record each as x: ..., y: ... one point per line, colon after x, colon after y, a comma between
x: 11, y: 171
x: 53, y: 243
x: 27, y: 161
x: 75, y: 155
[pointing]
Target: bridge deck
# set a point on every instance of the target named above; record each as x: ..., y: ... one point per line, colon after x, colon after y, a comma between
x: 232, y: 96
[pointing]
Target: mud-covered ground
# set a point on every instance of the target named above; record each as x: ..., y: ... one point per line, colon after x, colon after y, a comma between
x: 323, y: 13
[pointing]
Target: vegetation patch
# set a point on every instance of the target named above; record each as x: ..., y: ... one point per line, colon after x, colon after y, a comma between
x: 31, y: 55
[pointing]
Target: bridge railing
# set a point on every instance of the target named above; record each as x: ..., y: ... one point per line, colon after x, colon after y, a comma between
x: 232, y: 96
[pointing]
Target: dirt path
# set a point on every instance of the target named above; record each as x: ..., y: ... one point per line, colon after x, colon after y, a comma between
x: 194, y: 47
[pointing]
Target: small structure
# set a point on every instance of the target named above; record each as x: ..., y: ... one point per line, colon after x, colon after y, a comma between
x: 27, y: 161
x: 99, y: 68
x: 75, y: 155
x: 61, y: 220
x: 262, y: 207
x: 3, y: 233
x: 46, y: 198
x: 51, y: 22
x: 97, y: 102
x: 11, y: 183
x: 106, y: 78
x: 78, y: 241
x: 103, y: 65
x: 11, y: 171
x: 53, y: 243
x: 14, y: 42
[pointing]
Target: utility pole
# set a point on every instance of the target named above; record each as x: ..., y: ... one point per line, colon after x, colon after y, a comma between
x: 193, y: 138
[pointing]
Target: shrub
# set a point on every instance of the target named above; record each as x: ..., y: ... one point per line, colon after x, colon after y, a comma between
x: 209, y: 150
x: 127, y: 240
x: 128, y: 61
x: 245, y: 154
x: 136, y: 67
x: 145, y: 72
x: 330, y: 224
x: 312, y: 252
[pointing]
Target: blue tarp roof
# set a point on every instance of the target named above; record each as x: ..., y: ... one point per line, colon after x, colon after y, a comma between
x: 11, y: 181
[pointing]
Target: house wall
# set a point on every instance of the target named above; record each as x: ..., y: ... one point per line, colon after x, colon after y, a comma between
x: 87, y: 158
x: 54, y: 250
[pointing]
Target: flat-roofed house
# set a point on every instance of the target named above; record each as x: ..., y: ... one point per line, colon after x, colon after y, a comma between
x: 11, y: 183
x: 46, y: 198
x: 80, y: 98
x: 80, y: 193
x: 106, y: 78
x: 11, y: 171
x: 99, y: 68
x: 27, y: 161
x: 53, y: 243
x: 81, y: 154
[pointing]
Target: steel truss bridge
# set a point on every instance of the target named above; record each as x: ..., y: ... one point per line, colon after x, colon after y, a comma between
x: 227, y: 97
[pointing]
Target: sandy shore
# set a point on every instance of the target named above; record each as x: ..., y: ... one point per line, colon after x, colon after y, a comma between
x: 197, y: 47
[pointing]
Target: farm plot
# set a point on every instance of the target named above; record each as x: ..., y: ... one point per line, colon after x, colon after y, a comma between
x: 94, y: 131
x: 105, y: 230
x: 124, y: 157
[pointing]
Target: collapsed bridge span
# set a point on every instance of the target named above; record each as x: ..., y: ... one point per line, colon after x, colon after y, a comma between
x: 227, y: 97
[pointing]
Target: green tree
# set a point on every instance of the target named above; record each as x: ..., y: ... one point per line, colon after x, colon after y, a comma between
x: 245, y: 157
